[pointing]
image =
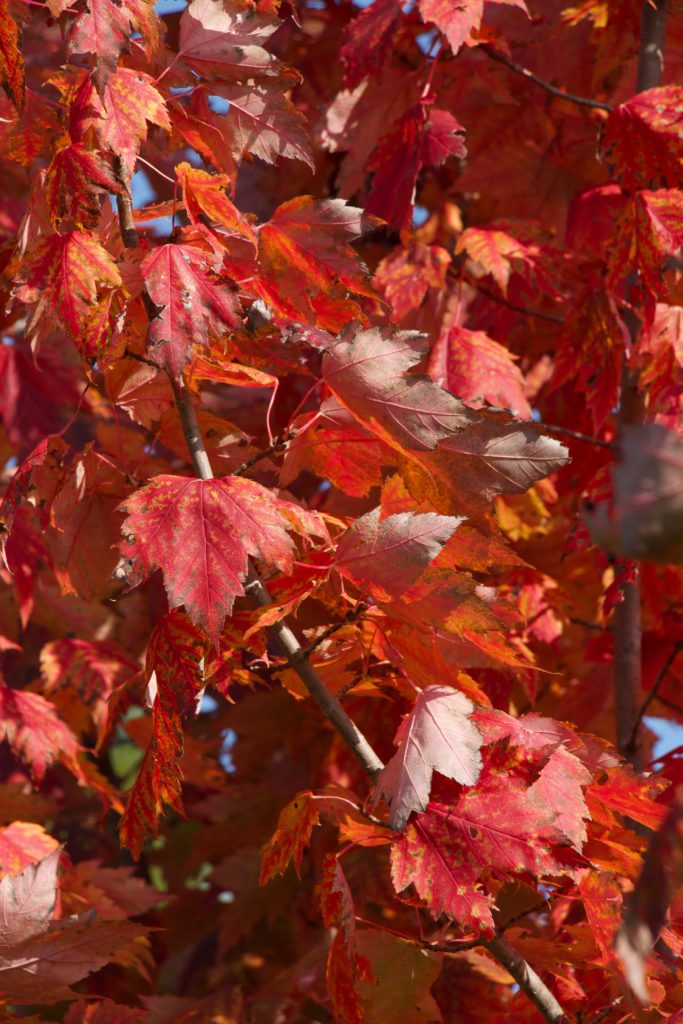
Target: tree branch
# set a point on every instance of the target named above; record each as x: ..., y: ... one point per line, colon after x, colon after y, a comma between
x: 580, y: 101
x: 528, y: 980
x: 651, y: 49
x: 327, y: 702
x: 652, y: 695
x: 124, y: 205
x: 627, y: 615
x: 296, y: 655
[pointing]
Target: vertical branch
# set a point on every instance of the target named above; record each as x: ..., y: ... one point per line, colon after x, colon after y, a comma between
x: 124, y: 205
x: 627, y: 616
x: 651, y: 51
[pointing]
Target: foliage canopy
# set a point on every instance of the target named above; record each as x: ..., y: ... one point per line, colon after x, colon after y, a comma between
x: 341, y: 511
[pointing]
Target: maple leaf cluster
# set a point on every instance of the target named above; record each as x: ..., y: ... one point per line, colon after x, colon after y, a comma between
x: 340, y: 431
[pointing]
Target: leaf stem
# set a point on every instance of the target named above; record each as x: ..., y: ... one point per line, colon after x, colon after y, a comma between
x: 531, y: 76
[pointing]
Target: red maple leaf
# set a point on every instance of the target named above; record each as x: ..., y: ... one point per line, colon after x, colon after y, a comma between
x: 498, y: 379
x: 222, y: 40
x: 191, y: 304
x: 642, y: 139
x: 209, y: 573
x: 422, y: 137
x: 75, y: 179
x: 291, y: 837
x: 62, y: 278
x: 11, y: 57
x: 308, y: 263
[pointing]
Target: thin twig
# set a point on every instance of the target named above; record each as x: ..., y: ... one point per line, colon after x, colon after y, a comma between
x: 652, y: 695
x: 351, y: 616
x: 327, y: 702
x: 554, y: 318
x: 346, y: 689
x: 587, y: 624
x: 580, y: 101
x: 461, y: 945
x: 671, y: 705
x: 278, y: 444
x: 627, y: 615
x: 554, y: 428
x: 141, y: 359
